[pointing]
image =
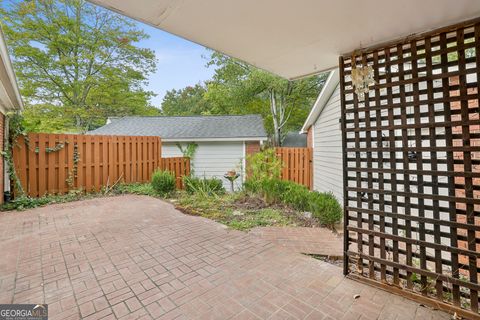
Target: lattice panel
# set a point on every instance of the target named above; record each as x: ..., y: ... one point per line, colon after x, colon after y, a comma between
x: 412, y: 166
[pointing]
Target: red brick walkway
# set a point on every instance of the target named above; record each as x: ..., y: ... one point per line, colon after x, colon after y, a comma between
x: 134, y: 257
x: 320, y: 241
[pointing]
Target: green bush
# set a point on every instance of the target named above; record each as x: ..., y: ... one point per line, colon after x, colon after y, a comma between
x: 203, y: 186
x: 272, y: 190
x: 296, y: 195
x: 252, y: 186
x: 163, y: 182
x: 325, y: 207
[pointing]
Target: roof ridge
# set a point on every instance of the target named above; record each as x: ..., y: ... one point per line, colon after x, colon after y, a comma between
x: 233, y: 126
x: 191, y: 116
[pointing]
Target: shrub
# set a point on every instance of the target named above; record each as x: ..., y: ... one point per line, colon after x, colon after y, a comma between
x: 203, y: 186
x: 163, y: 182
x: 252, y: 186
x: 296, y: 195
x: 325, y: 207
x: 272, y: 190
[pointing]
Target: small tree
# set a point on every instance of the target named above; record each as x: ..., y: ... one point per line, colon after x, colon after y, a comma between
x: 264, y: 165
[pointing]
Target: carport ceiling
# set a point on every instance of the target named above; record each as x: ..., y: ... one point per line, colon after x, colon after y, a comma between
x: 294, y: 38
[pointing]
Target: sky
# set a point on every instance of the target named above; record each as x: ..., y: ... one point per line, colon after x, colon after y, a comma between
x: 179, y: 62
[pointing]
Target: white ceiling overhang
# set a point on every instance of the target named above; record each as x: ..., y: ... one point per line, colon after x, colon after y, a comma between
x: 294, y: 38
x: 9, y: 94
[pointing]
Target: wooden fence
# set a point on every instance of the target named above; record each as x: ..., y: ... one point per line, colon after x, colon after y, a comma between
x: 297, y: 165
x: 180, y: 166
x: 57, y: 163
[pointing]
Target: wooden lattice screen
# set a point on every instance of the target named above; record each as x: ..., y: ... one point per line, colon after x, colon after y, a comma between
x: 412, y: 167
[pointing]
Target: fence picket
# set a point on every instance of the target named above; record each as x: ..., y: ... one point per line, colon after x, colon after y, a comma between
x: 32, y: 166
x: 97, y: 183
x: 61, y: 164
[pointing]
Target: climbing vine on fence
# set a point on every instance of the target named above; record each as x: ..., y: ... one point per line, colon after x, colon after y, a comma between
x: 72, y: 174
x: 15, y: 130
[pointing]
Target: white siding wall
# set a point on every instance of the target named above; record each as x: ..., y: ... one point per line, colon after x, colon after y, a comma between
x: 213, y: 159
x: 327, y: 149
x: 170, y: 150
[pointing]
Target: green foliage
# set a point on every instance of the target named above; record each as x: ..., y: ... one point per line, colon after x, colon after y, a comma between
x: 258, y: 218
x: 222, y: 209
x: 15, y: 129
x: 189, y: 150
x: 203, y: 187
x: 185, y: 102
x: 296, y: 195
x: 25, y: 202
x: 323, y: 206
x: 76, y: 63
x: 136, y: 188
x: 239, y: 87
x: 264, y: 165
x: 163, y: 182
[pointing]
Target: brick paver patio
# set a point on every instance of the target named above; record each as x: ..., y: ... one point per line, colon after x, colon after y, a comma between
x: 134, y: 257
x: 320, y: 241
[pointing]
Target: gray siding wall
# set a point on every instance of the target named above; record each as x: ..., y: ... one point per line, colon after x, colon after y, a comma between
x: 213, y: 159
x: 327, y: 149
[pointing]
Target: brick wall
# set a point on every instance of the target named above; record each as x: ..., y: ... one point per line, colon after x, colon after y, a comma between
x: 472, y: 104
x: 310, y: 137
x: 2, y: 180
x: 251, y: 147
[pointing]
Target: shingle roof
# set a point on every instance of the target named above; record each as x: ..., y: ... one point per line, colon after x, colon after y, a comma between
x: 294, y: 139
x: 187, y: 127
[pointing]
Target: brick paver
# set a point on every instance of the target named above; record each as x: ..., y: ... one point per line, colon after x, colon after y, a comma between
x: 134, y: 257
x: 320, y: 241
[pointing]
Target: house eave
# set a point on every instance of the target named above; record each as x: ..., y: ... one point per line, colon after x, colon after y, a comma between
x: 10, y: 99
x: 301, y: 37
x: 327, y: 91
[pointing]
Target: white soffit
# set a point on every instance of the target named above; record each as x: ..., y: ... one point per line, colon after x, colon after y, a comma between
x: 9, y: 94
x: 294, y: 38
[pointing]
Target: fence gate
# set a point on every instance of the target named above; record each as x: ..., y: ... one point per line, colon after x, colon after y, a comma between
x: 412, y: 167
x: 297, y: 165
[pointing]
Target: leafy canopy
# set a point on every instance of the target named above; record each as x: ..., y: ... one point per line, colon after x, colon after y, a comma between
x: 77, y: 62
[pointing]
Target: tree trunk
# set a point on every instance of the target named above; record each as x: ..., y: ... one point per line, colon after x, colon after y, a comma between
x: 276, y: 124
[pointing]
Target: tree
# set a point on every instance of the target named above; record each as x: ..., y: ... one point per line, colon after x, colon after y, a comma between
x: 240, y: 87
x: 186, y: 101
x: 77, y: 61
